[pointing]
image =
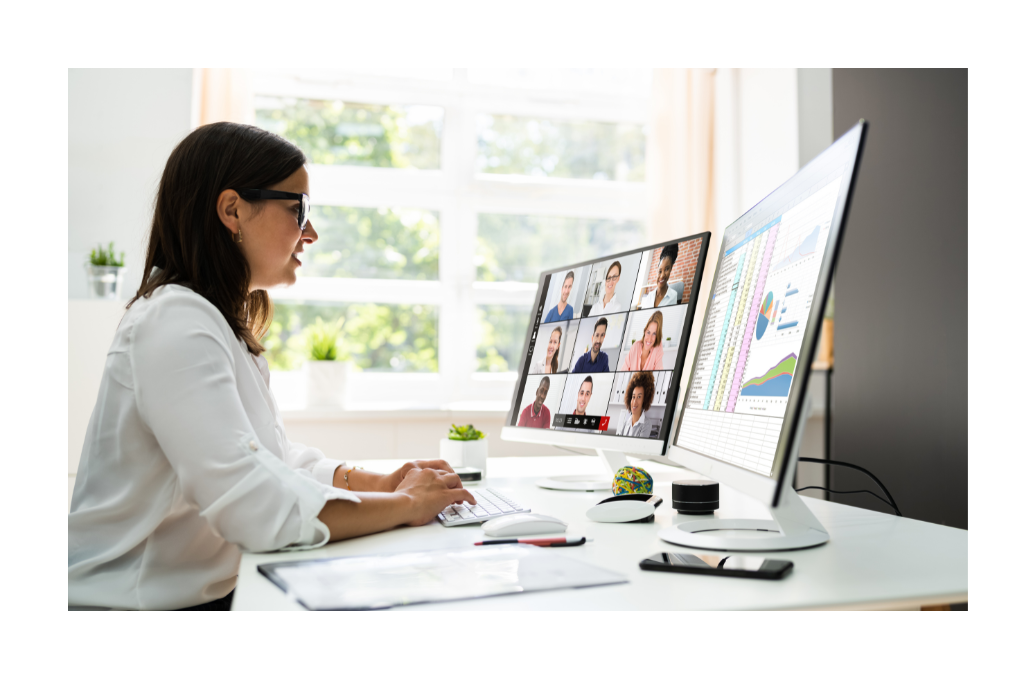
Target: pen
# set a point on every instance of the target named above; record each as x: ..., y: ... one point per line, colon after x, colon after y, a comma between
x: 539, y: 542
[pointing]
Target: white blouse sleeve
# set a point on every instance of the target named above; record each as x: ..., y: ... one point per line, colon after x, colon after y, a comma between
x: 186, y: 393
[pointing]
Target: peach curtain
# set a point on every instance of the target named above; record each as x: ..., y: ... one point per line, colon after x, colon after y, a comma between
x: 223, y: 94
x: 681, y: 166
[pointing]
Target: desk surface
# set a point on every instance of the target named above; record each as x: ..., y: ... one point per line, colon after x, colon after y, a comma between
x: 873, y: 560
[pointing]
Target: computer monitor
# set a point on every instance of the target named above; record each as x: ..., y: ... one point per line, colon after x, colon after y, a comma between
x: 744, y: 409
x: 604, y: 354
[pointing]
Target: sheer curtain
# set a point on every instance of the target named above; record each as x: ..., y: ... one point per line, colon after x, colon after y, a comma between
x: 222, y: 94
x: 680, y: 165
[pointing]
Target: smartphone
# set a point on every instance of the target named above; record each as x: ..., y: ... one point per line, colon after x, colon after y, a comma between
x: 732, y: 565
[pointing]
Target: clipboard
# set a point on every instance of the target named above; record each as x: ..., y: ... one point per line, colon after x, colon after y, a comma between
x: 364, y: 583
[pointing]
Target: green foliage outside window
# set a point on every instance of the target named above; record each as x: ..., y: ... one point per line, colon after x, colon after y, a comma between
x: 373, y: 243
x: 501, y: 341
x: 561, y: 148
x: 520, y: 247
x: 376, y: 337
x: 341, y: 133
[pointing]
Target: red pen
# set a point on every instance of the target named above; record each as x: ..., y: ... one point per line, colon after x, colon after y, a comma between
x: 539, y: 542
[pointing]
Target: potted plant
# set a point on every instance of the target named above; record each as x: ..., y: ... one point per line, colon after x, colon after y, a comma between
x: 465, y: 446
x: 324, y: 371
x: 104, y: 272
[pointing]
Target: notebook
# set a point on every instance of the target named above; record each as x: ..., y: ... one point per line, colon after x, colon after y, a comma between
x: 383, y: 581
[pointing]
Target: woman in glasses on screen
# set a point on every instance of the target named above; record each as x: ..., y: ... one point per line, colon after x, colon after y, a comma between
x: 549, y: 364
x: 647, y: 353
x: 186, y: 461
x: 640, y: 392
x: 608, y: 304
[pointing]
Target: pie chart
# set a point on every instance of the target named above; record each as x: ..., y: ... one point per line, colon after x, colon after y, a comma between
x: 766, y: 312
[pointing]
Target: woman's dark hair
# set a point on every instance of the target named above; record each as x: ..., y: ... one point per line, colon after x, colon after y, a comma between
x: 190, y: 244
x: 614, y: 265
x: 645, y: 381
x: 671, y: 251
x: 554, y: 363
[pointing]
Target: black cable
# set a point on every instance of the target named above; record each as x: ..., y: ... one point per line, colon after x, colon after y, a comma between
x: 798, y: 490
x: 890, y: 502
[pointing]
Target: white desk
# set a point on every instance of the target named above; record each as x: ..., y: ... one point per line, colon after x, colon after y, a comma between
x: 873, y: 560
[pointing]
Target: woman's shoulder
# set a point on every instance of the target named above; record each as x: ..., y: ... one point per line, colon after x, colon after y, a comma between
x: 175, y: 311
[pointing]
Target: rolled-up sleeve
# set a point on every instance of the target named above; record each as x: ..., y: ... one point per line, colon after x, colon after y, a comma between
x: 187, y: 395
x: 312, y: 460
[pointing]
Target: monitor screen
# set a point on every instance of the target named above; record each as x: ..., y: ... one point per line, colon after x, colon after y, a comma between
x: 766, y: 287
x: 607, y: 341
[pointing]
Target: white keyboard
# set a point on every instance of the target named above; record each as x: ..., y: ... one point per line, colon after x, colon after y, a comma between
x: 491, y: 504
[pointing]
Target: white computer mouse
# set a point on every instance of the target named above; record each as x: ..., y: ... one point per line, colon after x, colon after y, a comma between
x: 515, y: 525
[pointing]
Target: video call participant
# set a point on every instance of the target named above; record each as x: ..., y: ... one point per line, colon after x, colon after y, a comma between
x: 664, y: 295
x: 586, y: 390
x: 563, y: 311
x: 595, y: 360
x: 536, y: 414
x: 608, y: 304
x: 646, y: 353
x: 549, y: 364
x: 639, y: 394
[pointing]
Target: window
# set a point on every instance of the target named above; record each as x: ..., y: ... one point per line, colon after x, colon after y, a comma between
x: 439, y: 196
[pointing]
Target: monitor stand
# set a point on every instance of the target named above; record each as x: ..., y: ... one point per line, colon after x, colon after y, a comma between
x: 793, y: 526
x: 613, y: 460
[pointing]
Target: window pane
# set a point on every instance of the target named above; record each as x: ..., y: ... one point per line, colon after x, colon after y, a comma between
x: 378, y: 337
x: 561, y: 148
x: 519, y: 247
x: 373, y: 243
x: 630, y: 81
x: 501, y: 337
x: 340, y: 133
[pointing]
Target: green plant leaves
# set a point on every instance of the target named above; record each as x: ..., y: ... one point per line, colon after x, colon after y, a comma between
x: 465, y: 432
x: 325, y: 339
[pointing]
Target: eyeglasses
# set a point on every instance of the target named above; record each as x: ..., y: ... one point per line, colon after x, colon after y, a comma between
x: 265, y: 194
x: 612, y: 278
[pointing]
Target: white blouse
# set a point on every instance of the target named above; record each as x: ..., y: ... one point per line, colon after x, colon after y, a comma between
x: 614, y: 306
x: 185, y: 465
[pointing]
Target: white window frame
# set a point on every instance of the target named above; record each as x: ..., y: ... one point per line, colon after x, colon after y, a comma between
x: 459, y: 195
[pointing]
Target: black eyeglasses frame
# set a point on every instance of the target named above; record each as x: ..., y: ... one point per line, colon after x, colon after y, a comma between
x: 267, y: 194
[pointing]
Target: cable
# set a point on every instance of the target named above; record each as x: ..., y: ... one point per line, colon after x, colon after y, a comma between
x: 890, y: 502
x: 798, y: 490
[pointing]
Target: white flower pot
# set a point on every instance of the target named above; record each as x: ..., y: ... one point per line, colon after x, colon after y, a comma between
x: 104, y: 282
x: 325, y: 383
x: 465, y: 453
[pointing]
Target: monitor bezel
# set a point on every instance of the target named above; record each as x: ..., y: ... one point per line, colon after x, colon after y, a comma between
x: 762, y: 487
x: 640, y: 447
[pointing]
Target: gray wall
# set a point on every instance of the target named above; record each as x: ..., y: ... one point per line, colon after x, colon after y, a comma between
x: 900, y: 392
x: 122, y: 126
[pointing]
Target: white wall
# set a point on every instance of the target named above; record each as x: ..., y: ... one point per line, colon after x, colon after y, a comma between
x: 122, y: 125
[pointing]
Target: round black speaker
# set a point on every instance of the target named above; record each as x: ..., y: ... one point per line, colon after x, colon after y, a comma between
x: 695, y: 496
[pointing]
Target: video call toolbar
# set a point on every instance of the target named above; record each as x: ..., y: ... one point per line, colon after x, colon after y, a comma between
x: 606, y: 343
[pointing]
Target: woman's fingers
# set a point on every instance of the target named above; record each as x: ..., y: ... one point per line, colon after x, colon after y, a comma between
x: 460, y: 495
x: 434, y: 464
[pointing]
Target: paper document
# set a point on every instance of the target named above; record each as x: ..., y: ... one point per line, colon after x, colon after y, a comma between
x: 369, y: 582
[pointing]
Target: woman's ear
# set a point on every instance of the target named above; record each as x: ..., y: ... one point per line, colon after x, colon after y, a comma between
x: 227, y: 207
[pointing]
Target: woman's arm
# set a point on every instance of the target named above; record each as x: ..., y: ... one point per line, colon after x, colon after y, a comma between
x: 421, y: 495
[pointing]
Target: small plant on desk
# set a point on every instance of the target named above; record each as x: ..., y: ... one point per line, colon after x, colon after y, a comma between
x: 465, y: 447
x: 104, y: 272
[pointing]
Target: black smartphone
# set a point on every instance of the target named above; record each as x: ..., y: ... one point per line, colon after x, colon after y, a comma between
x: 732, y: 565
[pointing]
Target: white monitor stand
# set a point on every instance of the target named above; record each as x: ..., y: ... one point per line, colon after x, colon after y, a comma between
x: 613, y: 460
x: 793, y: 525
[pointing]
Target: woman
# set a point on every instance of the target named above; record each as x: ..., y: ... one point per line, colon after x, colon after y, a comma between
x: 549, y: 364
x: 647, y: 353
x: 186, y: 462
x: 639, y: 394
x: 664, y: 295
x: 562, y: 312
x: 608, y: 304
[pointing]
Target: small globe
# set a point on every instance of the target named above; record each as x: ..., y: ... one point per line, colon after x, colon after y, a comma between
x: 630, y: 480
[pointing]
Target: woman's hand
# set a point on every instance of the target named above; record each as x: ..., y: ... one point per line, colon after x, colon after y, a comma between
x: 430, y: 491
x: 391, y: 482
